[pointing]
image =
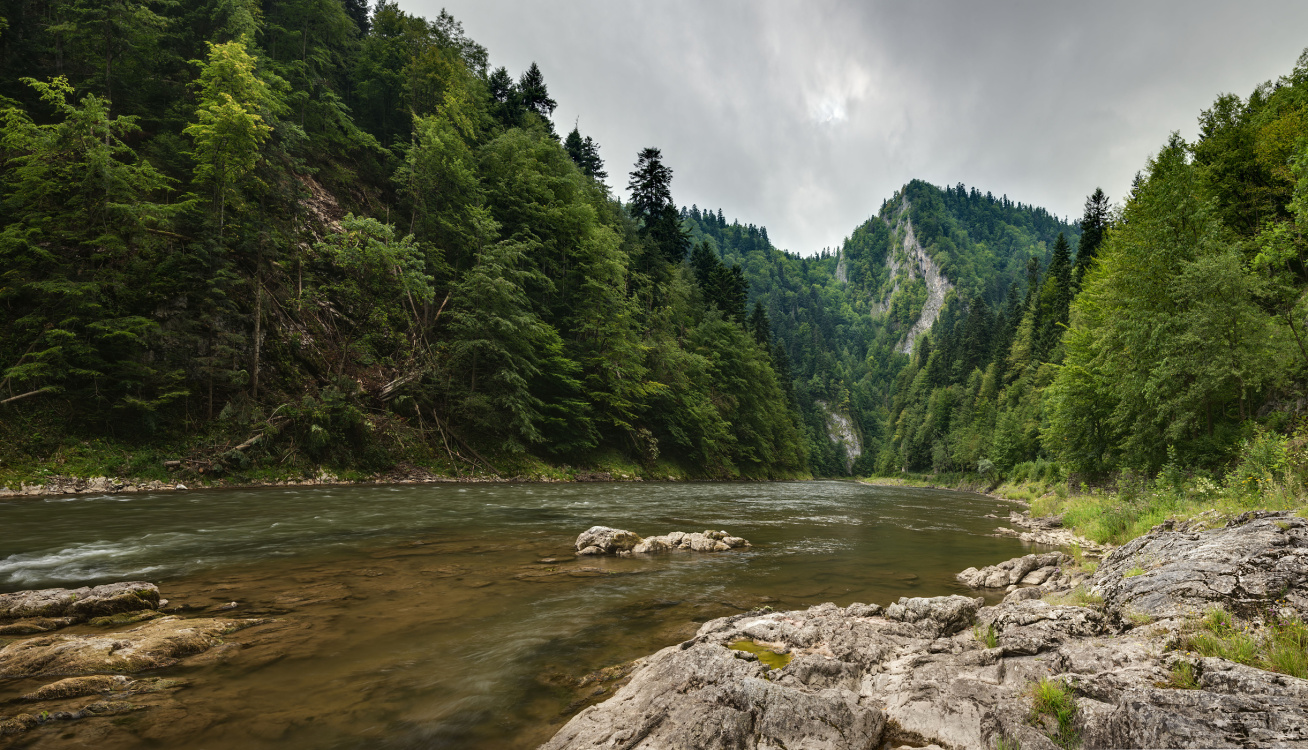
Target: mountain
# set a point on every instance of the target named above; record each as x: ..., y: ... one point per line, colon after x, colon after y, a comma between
x: 847, y: 324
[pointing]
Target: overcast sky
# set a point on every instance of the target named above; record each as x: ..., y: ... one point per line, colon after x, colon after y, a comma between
x: 804, y: 116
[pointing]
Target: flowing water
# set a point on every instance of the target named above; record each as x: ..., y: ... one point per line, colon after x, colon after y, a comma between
x: 455, y: 615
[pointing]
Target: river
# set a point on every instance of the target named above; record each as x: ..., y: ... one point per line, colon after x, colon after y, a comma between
x: 455, y: 615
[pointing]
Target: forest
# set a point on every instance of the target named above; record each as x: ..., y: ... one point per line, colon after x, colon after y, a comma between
x: 262, y: 238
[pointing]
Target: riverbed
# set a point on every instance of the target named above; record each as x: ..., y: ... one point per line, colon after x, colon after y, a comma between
x: 455, y: 615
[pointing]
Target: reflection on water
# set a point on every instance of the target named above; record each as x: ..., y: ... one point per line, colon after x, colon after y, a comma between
x: 433, y: 616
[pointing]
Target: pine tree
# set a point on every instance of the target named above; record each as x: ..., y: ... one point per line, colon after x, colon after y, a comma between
x: 652, y: 206
x: 1093, y: 225
x: 535, y: 96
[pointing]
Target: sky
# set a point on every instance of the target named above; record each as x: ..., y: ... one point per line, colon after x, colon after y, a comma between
x: 804, y: 116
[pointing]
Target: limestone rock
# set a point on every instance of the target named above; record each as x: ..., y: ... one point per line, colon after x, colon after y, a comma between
x: 1255, y: 560
x: 1017, y: 570
x: 609, y: 541
x: 601, y: 540
x: 159, y: 643
x: 80, y: 604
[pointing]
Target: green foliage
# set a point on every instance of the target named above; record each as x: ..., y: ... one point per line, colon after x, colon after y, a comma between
x: 1055, y: 699
x: 1281, y: 645
x: 469, y: 289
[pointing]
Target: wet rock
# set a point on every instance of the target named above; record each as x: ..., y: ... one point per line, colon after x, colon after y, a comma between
x: 79, y: 604
x: 707, y: 541
x: 159, y: 643
x: 1014, y: 571
x: 1245, y: 567
x: 602, y: 540
x: 36, y: 625
x: 608, y: 541
x: 74, y: 687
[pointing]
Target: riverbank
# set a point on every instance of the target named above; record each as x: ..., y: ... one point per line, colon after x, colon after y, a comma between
x: 1130, y: 506
x: 1150, y: 654
x: 181, y: 479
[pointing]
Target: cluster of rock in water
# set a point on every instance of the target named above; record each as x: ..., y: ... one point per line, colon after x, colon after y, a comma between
x: 922, y: 671
x: 97, y: 664
x: 602, y: 540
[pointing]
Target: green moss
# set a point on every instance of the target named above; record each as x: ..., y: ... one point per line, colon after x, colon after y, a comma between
x: 765, y: 655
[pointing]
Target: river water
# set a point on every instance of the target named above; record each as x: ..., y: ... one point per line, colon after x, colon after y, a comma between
x: 455, y: 615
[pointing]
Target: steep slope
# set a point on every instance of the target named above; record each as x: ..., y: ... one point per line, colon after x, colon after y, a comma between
x: 846, y: 324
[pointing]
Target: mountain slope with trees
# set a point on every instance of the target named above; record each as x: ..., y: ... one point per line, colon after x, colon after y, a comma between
x: 264, y: 237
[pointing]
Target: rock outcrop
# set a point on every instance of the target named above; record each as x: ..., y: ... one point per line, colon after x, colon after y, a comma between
x: 949, y: 672
x: 602, y: 540
x: 1031, y: 570
x: 156, y: 644
x: 55, y: 607
x: 1259, y: 560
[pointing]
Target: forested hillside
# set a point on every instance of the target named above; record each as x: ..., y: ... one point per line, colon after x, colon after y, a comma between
x: 261, y: 238
x: 271, y: 236
x: 842, y: 321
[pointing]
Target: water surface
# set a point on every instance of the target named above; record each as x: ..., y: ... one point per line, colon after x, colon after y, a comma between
x: 454, y: 615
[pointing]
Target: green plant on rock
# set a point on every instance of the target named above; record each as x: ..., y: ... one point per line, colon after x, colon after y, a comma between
x: 1054, y: 699
x: 989, y: 637
x: 1182, y: 677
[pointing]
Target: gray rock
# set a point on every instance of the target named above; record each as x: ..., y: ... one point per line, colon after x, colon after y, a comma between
x: 915, y: 672
x: 79, y: 604
x: 1014, y: 571
x: 602, y: 540
x: 1245, y: 567
x: 609, y: 541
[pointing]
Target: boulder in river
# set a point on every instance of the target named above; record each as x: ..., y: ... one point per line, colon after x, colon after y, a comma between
x: 79, y: 604
x: 1029, y: 569
x: 948, y: 672
x: 159, y: 643
x: 602, y: 540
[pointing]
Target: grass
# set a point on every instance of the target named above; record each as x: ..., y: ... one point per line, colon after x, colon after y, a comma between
x: 1134, y: 571
x: 988, y: 637
x: 1054, y: 698
x: 1139, y: 619
x: 1077, y: 597
x: 1007, y: 743
x: 1182, y: 677
x: 1281, y: 645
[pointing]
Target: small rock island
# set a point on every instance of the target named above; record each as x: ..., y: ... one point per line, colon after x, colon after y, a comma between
x: 602, y: 540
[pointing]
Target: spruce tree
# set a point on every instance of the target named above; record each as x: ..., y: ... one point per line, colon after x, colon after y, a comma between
x: 1093, y: 225
x: 535, y: 96
x: 652, y: 206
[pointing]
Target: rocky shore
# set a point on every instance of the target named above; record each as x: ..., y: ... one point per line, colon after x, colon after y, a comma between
x: 101, y: 660
x: 1109, y: 659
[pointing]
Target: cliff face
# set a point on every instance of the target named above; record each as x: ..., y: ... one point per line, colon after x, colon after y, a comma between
x: 840, y: 430
x: 914, y: 263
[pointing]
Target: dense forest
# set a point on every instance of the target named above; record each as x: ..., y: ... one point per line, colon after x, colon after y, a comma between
x: 272, y: 236
x: 266, y: 237
x: 843, y: 320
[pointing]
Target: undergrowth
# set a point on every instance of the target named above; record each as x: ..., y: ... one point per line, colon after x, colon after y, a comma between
x: 1054, y: 698
x: 1279, y: 645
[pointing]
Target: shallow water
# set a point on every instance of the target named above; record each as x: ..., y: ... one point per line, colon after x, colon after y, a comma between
x: 422, y: 616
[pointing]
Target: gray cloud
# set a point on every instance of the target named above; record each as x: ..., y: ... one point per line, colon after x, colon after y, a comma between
x: 804, y: 116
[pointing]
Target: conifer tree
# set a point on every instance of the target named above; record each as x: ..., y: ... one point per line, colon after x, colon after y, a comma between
x: 652, y: 206
x: 1093, y: 225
